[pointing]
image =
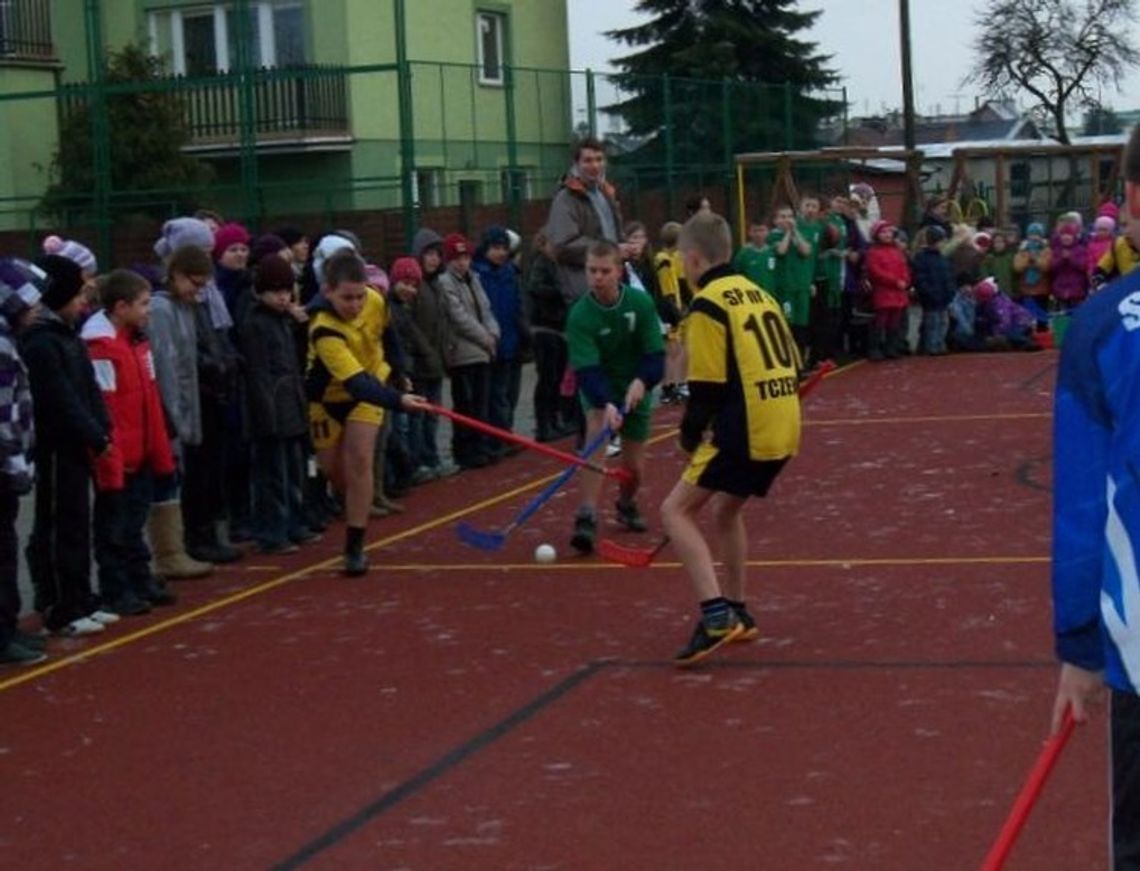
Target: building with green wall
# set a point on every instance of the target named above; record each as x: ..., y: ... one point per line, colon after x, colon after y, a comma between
x: 488, y: 113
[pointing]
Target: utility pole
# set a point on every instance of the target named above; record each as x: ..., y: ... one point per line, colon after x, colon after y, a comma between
x: 907, y: 82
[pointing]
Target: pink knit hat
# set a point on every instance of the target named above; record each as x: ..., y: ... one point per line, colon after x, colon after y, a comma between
x: 227, y: 235
x: 406, y: 269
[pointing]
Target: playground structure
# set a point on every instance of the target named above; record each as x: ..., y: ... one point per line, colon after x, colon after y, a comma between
x: 1015, y: 182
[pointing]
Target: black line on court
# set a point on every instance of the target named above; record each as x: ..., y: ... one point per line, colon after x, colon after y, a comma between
x: 1033, y: 379
x: 437, y: 769
x: 1026, y: 473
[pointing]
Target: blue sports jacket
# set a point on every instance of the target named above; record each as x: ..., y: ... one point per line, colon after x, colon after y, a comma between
x: 1096, y: 487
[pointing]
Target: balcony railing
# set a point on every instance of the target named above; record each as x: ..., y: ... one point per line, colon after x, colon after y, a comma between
x: 289, y: 105
x: 25, y: 30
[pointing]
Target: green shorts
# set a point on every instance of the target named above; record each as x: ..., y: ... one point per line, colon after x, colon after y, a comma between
x: 635, y: 426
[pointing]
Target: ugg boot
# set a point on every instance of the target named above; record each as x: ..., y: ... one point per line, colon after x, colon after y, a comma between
x: 164, y: 530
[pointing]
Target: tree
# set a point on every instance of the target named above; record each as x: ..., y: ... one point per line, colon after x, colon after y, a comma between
x: 147, y: 131
x: 1057, y: 51
x: 734, y: 59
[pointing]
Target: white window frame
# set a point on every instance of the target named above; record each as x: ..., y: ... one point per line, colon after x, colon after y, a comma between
x: 267, y: 38
x: 499, y: 20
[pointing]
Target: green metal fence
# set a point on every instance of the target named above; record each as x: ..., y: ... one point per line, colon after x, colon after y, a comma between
x: 315, y: 145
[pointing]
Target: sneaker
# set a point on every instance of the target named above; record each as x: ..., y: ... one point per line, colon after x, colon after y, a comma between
x: 355, y: 563
x: 105, y: 616
x: 282, y: 548
x: 32, y: 640
x: 669, y: 394
x: 629, y: 516
x: 446, y: 470
x: 422, y: 475
x: 128, y: 605
x: 613, y: 449
x: 683, y: 391
x: 304, y: 535
x: 749, y: 630
x: 82, y: 626
x: 704, y: 642
x: 16, y: 653
x: 158, y: 594
x: 585, y: 529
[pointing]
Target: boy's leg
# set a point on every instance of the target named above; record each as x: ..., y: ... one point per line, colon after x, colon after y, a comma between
x: 633, y: 459
x: 138, y: 497
x: 1125, y: 761
x: 108, y: 531
x: 269, y: 495
x: 589, y: 488
x: 69, y: 535
x: 9, y: 565
x: 357, y: 448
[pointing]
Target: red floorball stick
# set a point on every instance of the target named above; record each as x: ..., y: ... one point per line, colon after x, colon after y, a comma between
x: 622, y: 474
x: 639, y: 558
x: 1029, y: 794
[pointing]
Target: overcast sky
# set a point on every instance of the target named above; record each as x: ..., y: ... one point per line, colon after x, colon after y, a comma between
x: 862, y: 36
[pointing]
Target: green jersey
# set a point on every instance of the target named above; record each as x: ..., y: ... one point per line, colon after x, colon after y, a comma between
x: 615, y: 337
x: 795, y: 272
x: 758, y: 265
x: 833, y: 261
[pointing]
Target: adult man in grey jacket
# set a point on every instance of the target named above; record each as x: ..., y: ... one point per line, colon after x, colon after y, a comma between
x: 473, y: 334
x: 583, y: 212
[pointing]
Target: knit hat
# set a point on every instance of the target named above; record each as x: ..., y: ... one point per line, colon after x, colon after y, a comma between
x: 351, y: 237
x: 1109, y: 210
x: 227, y: 235
x: 986, y: 289
x: 181, y: 233
x: 66, y: 280
x: 406, y: 269
x: 265, y: 245
x: 290, y: 235
x: 376, y: 276
x: 1105, y: 222
x: 1035, y: 229
x: 273, y: 273
x: 21, y: 285
x: 495, y: 236
x: 72, y: 250
x: 424, y: 239
x: 455, y: 245
x: 328, y: 246
x: 878, y: 227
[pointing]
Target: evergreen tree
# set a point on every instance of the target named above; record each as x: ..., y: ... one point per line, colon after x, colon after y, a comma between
x: 772, y: 100
x: 147, y: 131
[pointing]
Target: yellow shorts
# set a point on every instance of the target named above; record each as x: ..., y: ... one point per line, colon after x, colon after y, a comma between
x: 326, y: 422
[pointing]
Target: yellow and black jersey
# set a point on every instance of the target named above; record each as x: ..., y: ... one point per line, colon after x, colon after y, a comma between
x: 743, y: 371
x: 671, y: 278
x: 341, y: 351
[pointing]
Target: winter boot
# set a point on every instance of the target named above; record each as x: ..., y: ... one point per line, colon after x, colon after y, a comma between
x: 875, y: 344
x: 164, y: 530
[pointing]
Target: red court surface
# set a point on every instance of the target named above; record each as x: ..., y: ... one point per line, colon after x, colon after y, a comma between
x: 459, y: 709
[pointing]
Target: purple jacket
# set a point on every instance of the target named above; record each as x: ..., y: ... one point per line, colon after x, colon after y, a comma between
x: 1001, y: 316
x: 1068, y: 270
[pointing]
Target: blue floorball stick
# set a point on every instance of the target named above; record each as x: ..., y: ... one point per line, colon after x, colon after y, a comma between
x: 485, y: 540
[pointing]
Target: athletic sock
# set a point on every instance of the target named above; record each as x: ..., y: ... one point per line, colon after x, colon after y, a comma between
x: 716, y: 613
x: 354, y: 539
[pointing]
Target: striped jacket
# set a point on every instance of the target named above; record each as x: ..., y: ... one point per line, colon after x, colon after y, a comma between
x: 16, y: 423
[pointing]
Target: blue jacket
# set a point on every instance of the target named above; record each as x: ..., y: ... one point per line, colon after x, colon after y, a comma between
x: 501, y: 284
x: 933, y: 280
x: 1096, y: 484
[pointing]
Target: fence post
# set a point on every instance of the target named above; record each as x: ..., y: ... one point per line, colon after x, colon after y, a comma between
x: 789, y: 140
x: 591, y: 104
x: 726, y: 133
x: 513, y: 192
x: 670, y: 185
x: 846, y: 131
x: 100, y: 129
x: 247, y: 139
x: 407, y: 125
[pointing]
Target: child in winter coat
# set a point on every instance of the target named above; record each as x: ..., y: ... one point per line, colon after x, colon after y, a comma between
x: 499, y: 277
x: 20, y: 287
x: 998, y: 262
x: 1031, y: 266
x: 1001, y: 321
x: 74, y: 428
x: 1069, y: 266
x: 140, y: 448
x: 276, y: 411
x: 934, y: 284
x: 1100, y: 243
x: 889, y: 276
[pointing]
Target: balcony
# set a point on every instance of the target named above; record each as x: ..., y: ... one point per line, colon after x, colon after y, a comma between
x: 25, y: 31
x: 298, y: 108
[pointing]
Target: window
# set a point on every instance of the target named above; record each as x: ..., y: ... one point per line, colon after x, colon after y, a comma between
x: 490, y: 30
x: 1020, y: 179
x: 521, y: 183
x: 204, y: 40
x: 427, y: 188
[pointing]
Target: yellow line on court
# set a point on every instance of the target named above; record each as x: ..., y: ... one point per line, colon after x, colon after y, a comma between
x: 266, y: 586
x: 574, y: 565
x: 946, y: 418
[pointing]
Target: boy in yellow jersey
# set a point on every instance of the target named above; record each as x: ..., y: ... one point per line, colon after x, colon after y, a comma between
x: 743, y: 367
x: 346, y: 389
x: 675, y: 297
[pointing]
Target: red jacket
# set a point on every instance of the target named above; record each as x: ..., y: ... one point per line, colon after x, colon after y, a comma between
x: 124, y: 371
x: 886, y: 266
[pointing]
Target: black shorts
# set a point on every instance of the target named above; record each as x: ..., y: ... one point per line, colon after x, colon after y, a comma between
x: 711, y: 469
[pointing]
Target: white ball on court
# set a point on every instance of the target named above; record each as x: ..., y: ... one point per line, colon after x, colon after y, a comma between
x: 545, y: 553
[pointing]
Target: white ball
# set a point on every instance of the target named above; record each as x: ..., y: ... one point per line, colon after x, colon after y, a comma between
x: 545, y: 553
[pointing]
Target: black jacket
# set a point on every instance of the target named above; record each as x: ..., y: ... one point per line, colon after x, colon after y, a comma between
x: 546, y: 306
x: 431, y: 324
x: 275, y: 405
x: 67, y: 403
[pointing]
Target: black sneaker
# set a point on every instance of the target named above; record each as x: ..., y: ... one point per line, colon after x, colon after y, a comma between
x: 17, y: 654
x: 355, y: 563
x: 128, y: 605
x: 156, y: 593
x: 585, y: 529
x: 31, y: 640
x: 750, y: 631
x: 629, y: 516
x: 704, y: 642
